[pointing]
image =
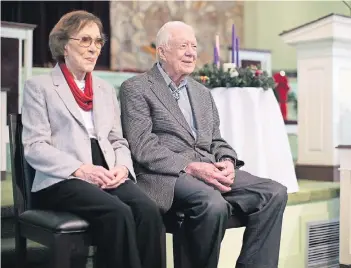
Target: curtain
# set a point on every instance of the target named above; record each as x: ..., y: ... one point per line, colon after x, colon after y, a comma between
x: 45, y: 14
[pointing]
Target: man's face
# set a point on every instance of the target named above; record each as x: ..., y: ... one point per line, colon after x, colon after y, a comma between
x: 180, y: 55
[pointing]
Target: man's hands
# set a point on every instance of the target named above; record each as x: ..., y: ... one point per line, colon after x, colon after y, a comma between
x: 227, y: 169
x: 220, y: 175
x: 100, y: 176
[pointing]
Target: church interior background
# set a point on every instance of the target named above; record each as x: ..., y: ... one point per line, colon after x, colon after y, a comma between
x: 264, y: 30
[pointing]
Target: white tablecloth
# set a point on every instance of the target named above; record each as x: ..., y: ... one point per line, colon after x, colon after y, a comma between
x: 251, y: 122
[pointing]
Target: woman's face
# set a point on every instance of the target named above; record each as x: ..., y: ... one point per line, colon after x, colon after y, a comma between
x: 83, y: 49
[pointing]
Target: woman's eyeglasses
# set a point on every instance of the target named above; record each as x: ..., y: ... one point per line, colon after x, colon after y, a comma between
x: 86, y: 41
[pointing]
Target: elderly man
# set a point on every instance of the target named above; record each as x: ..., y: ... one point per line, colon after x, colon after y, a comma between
x: 181, y: 160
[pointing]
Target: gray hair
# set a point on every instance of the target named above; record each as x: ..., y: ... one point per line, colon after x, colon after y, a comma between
x: 164, y: 34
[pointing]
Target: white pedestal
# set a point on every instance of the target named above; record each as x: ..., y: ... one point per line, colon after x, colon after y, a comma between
x: 345, y: 205
x: 324, y: 72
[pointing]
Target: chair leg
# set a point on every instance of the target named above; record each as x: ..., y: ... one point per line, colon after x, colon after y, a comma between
x: 180, y: 252
x: 163, y: 248
x: 61, y: 252
x: 21, y: 250
x: 80, y: 257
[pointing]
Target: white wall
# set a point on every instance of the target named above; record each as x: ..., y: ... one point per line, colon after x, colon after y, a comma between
x: 265, y: 20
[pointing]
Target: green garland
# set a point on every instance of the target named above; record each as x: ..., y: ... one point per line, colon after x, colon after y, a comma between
x: 213, y: 77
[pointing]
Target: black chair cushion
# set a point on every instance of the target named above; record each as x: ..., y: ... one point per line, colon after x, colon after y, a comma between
x: 58, y: 222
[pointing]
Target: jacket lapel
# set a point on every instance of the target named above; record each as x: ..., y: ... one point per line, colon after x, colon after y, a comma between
x: 65, y: 93
x: 98, y: 106
x: 197, y: 104
x: 160, y: 88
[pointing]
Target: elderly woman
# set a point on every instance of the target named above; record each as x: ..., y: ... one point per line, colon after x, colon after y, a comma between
x: 73, y: 139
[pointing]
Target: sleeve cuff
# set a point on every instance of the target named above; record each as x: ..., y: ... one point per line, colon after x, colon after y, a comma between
x: 226, y: 158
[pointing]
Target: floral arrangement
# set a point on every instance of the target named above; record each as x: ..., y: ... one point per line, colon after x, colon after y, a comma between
x: 212, y: 76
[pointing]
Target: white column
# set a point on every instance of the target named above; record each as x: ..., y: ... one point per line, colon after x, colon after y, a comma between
x: 28, y: 53
x: 20, y: 70
x: 28, y: 59
x: 324, y: 70
x: 345, y: 205
x: 4, y: 132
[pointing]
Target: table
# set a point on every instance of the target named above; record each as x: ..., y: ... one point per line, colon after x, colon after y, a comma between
x: 251, y: 122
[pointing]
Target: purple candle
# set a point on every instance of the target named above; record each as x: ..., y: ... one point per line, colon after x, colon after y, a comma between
x: 233, y: 43
x: 237, y: 51
x: 215, y: 53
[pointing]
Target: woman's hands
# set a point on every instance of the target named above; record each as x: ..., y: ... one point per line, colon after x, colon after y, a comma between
x: 100, y: 176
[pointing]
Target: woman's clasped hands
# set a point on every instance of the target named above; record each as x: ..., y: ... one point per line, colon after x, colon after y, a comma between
x: 102, y: 177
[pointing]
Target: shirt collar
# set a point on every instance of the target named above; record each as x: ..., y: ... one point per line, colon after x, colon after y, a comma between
x: 168, y: 80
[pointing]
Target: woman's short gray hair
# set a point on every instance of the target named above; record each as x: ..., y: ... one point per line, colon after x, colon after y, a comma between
x: 164, y: 34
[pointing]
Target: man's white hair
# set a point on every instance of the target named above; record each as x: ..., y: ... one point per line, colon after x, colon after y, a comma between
x: 164, y: 34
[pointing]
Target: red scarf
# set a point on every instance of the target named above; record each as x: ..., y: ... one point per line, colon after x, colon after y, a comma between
x: 84, y: 99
